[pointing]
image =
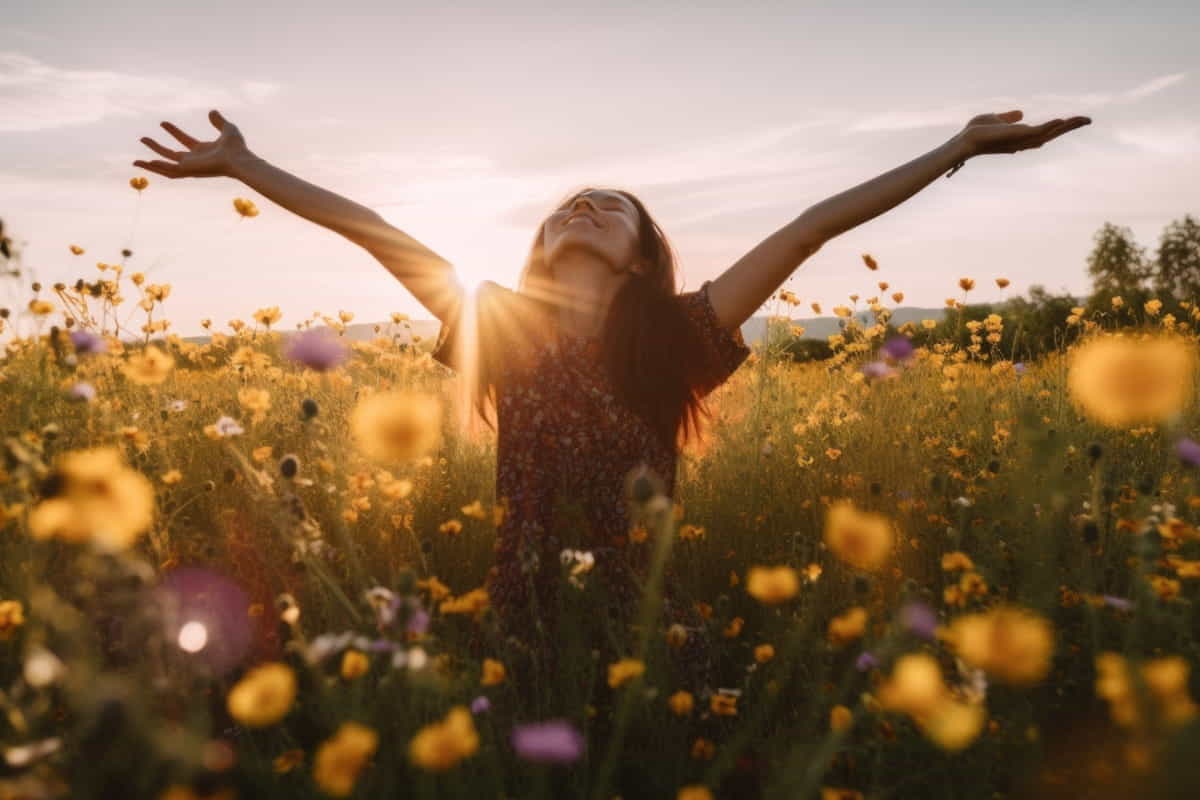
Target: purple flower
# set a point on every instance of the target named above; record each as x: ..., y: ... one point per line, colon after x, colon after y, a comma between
x: 1019, y: 368
x: 318, y: 349
x: 481, y: 705
x: 898, y: 348
x: 919, y: 619
x: 866, y: 661
x: 876, y: 369
x: 418, y: 621
x: 88, y: 342
x: 552, y: 742
x: 82, y: 391
x: 1188, y: 452
x: 1119, y: 603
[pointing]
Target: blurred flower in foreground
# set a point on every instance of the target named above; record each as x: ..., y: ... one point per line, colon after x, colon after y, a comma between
x: 916, y: 688
x: 149, y: 367
x: 318, y: 349
x: 1121, y: 381
x: 897, y: 348
x: 623, y: 671
x: 12, y: 616
x: 772, y: 585
x: 1188, y: 451
x: 340, y: 759
x: 245, y: 207
x: 1011, y: 644
x: 396, y: 425
x: 862, y: 539
x: 82, y: 390
x: 441, y: 745
x: 263, y: 696
x: 1166, y: 681
x: 224, y: 427
x: 87, y: 342
x: 139, y: 183
x: 553, y: 742
x: 98, y: 499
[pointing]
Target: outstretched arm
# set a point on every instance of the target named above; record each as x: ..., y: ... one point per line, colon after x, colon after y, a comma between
x: 423, y: 272
x: 739, y: 291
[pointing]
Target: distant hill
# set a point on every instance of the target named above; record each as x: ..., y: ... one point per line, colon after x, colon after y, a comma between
x: 752, y: 331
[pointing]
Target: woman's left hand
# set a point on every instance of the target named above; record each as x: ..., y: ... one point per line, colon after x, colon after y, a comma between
x: 1000, y: 133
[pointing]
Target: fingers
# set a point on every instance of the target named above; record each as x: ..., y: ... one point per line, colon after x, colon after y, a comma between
x: 216, y: 119
x: 166, y: 152
x: 183, y: 138
x: 164, y: 168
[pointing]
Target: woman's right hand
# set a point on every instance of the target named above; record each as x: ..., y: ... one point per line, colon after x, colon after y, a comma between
x: 200, y: 159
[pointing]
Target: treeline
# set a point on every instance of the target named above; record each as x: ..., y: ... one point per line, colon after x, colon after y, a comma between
x: 1124, y: 279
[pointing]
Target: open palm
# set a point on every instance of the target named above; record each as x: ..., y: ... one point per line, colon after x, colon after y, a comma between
x: 200, y: 159
x: 1001, y: 133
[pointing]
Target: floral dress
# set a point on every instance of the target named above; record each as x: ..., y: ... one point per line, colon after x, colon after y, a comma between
x: 562, y: 437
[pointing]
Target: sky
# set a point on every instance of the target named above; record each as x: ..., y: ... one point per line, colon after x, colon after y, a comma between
x: 465, y: 126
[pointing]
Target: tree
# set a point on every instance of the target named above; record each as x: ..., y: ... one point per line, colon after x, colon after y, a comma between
x: 1119, y: 268
x: 1177, y: 265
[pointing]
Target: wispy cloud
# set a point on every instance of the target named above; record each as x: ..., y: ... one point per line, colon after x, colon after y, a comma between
x: 1164, y: 139
x: 959, y: 114
x: 50, y: 97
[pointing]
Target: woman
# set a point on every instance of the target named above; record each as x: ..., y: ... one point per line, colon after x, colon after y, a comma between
x: 595, y: 365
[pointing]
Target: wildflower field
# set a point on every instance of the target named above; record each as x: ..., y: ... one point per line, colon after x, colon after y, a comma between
x: 253, y: 568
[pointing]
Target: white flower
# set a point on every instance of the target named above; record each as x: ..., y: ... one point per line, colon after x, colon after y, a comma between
x: 962, y: 502
x: 178, y: 405
x: 42, y: 668
x: 228, y: 426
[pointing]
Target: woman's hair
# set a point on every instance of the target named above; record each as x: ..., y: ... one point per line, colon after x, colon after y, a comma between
x: 648, y: 344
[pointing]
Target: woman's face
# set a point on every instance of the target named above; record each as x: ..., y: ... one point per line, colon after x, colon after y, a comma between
x: 601, y: 222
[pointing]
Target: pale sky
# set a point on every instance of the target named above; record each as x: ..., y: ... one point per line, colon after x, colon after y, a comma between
x: 464, y: 126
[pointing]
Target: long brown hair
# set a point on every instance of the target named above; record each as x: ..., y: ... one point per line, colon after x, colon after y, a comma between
x: 648, y: 345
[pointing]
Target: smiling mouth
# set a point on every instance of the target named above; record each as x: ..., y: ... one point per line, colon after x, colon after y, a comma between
x: 589, y: 220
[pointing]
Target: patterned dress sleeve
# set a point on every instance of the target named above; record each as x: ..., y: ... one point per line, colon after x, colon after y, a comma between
x: 486, y: 331
x: 722, y: 351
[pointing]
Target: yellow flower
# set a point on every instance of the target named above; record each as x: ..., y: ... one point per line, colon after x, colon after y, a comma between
x: 263, y: 696
x: 12, y: 616
x: 624, y: 671
x: 171, y: 477
x: 897, y: 297
x: 139, y: 183
x: 437, y: 590
x: 841, y: 719
x: 1153, y: 307
x: 1002, y: 282
x: 1166, y: 681
x: 1120, y: 381
x: 354, y: 664
x: 475, y: 510
x: 397, y: 425
x: 1011, y: 644
x: 772, y: 585
x: 842, y: 311
x: 723, y: 705
x: 268, y: 316
x: 929, y: 324
x: 41, y: 307
x: 341, y: 758
x: 848, y: 626
x: 450, y: 527
x: 257, y: 401
x: 473, y: 602
x: 261, y: 454
x: 345, y: 316
x: 681, y: 703
x: 694, y: 792
x: 441, y: 745
x: 98, y: 499
x: 764, y: 653
x: 915, y: 685
x: 703, y: 749
x: 151, y: 366
x: 862, y: 539
x: 1118, y: 301
x: 870, y: 262
x: 691, y: 532
x: 493, y: 673
x: 966, y: 284
x: 245, y: 207
x: 957, y: 560
x: 287, y: 761
x: 77, y: 250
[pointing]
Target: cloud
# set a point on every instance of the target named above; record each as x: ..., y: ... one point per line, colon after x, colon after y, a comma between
x: 1164, y: 140
x: 49, y: 97
x: 1053, y: 103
